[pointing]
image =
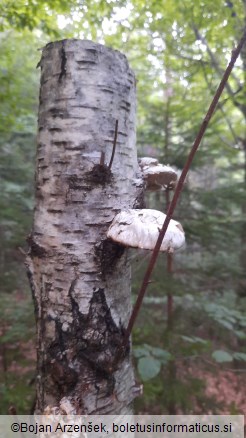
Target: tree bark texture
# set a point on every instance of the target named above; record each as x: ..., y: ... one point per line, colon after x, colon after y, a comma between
x: 81, y: 282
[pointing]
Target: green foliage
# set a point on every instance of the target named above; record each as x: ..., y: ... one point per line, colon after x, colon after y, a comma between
x: 16, y: 392
x: 240, y: 356
x: 34, y: 14
x: 148, y: 367
x: 17, y: 317
x: 221, y: 356
x: 169, y: 45
x: 194, y: 340
x: 230, y: 318
x: 17, y: 365
x: 18, y: 83
x: 150, y: 360
x: 18, y: 107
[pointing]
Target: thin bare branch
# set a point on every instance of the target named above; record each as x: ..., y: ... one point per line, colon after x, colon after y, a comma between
x: 114, y: 145
x: 102, y: 158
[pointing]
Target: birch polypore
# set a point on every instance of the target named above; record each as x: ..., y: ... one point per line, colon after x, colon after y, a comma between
x: 140, y: 229
x: 81, y: 282
x: 156, y: 175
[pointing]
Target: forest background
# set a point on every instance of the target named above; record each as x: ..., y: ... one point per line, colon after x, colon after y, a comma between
x: 189, y: 342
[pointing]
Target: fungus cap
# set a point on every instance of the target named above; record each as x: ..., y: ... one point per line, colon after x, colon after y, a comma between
x: 140, y: 229
x: 156, y: 175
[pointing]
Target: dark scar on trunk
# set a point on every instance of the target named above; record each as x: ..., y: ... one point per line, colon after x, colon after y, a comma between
x: 107, y: 254
x: 63, y: 63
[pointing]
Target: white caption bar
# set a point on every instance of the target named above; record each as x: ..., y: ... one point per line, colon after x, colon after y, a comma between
x: 122, y: 426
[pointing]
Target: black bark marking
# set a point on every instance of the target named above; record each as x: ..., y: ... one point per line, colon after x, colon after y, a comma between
x: 58, y: 112
x: 63, y: 63
x: 52, y: 210
x: 99, y: 175
x: 76, y: 183
x: 107, y: 254
x: 62, y: 144
x: 63, y: 377
x: 95, y: 338
x: 107, y: 90
x: 103, y: 340
x: 86, y: 62
x: 55, y: 130
x: 33, y: 289
x: 68, y: 245
x: 75, y: 148
x: 92, y: 51
x: 35, y: 250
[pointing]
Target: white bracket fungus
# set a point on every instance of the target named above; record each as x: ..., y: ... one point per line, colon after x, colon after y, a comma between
x: 140, y: 229
x: 156, y: 175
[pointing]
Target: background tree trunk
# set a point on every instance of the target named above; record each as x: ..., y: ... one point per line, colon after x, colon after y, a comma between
x: 80, y: 281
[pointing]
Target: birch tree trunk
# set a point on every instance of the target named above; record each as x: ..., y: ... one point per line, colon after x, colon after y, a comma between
x: 80, y: 281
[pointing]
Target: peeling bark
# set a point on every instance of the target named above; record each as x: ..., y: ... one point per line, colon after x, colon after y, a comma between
x: 80, y: 281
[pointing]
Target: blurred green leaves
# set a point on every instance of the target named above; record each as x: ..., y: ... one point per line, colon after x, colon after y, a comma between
x: 221, y: 356
x: 150, y: 360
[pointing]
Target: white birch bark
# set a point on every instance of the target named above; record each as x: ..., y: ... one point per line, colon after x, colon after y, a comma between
x: 81, y: 282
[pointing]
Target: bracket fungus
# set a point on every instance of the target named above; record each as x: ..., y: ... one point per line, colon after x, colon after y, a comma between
x: 140, y: 229
x: 156, y: 175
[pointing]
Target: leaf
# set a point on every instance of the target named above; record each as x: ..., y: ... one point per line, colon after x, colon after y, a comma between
x: 147, y: 350
x: 226, y: 324
x: 161, y: 354
x: 221, y: 356
x: 140, y: 351
x: 194, y: 339
x: 148, y: 367
x: 240, y: 334
x: 240, y: 356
